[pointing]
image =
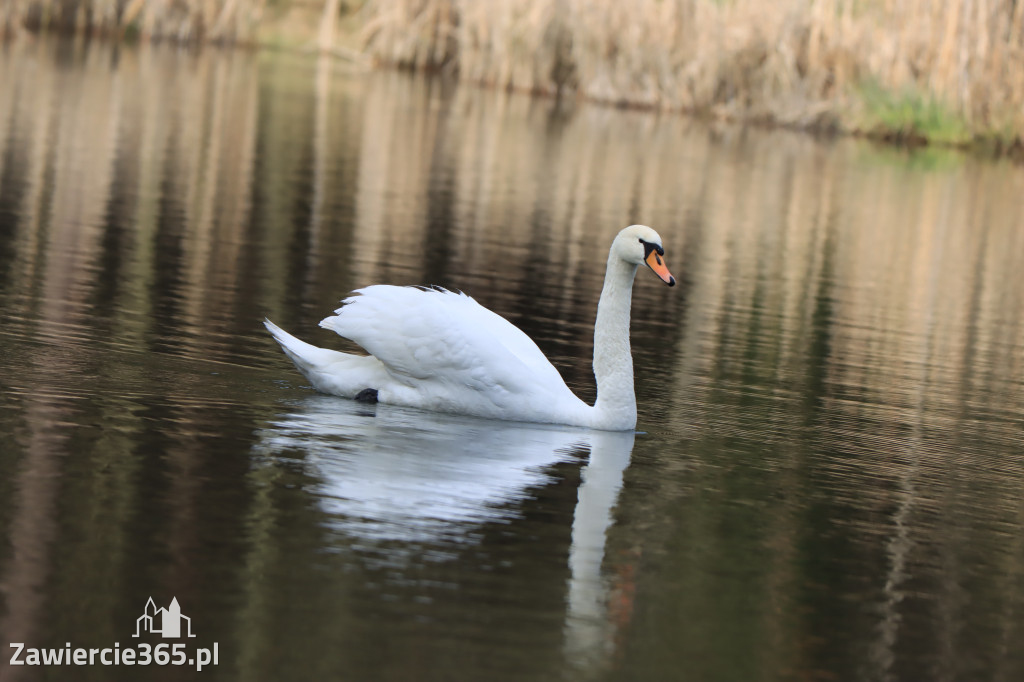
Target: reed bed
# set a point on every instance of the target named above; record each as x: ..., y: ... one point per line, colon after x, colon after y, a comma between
x: 186, y: 21
x: 945, y: 69
x: 941, y: 70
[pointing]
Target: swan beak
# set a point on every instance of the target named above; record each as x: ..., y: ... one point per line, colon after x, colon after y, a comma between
x: 657, y: 263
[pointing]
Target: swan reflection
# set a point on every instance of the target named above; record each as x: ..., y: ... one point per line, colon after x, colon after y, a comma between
x: 389, y: 473
x: 394, y: 474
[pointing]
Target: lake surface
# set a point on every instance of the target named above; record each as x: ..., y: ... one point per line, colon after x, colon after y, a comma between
x: 827, y: 482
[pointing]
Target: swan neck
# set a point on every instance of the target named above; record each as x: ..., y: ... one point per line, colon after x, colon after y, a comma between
x: 613, y: 361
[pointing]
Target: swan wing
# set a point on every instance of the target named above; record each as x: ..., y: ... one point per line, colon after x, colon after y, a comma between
x: 445, y: 338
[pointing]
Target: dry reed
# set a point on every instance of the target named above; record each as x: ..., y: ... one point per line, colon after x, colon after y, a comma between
x: 187, y: 21
x: 795, y: 62
x: 940, y: 69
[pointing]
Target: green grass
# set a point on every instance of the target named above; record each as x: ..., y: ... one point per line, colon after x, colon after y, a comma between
x: 911, y: 117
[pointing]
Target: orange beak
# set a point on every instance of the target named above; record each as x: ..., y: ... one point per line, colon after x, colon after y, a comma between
x: 657, y: 263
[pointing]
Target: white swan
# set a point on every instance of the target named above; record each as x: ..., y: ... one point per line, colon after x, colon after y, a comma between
x: 438, y: 350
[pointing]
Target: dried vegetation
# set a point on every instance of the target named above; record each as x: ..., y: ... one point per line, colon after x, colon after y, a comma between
x: 188, y: 21
x: 913, y: 70
x: 945, y: 69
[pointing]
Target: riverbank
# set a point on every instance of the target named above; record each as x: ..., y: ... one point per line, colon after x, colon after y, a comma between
x: 912, y: 72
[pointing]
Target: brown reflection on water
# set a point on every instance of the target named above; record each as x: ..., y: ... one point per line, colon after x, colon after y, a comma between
x: 832, y: 396
x: 854, y: 330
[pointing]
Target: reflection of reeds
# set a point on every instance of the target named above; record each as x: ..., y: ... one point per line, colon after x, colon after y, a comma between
x: 797, y: 62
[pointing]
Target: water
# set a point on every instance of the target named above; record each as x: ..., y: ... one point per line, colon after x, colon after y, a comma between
x: 828, y: 478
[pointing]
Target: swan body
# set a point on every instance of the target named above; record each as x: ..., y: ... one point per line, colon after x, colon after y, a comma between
x: 440, y: 350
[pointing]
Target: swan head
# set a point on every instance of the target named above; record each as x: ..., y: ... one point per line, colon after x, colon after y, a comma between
x: 639, y: 244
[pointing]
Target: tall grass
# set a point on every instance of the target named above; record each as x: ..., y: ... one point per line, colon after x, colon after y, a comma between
x: 945, y: 70
x: 229, y: 21
x: 796, y: 62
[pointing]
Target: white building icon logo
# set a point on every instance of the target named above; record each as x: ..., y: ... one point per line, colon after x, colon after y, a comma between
x: 166, y: 622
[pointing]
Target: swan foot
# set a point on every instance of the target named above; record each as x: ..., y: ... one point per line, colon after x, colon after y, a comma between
x: 367, y: 395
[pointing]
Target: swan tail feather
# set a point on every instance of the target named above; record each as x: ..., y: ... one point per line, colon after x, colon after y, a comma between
x: 306, y: 356
x: 329, y: 371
